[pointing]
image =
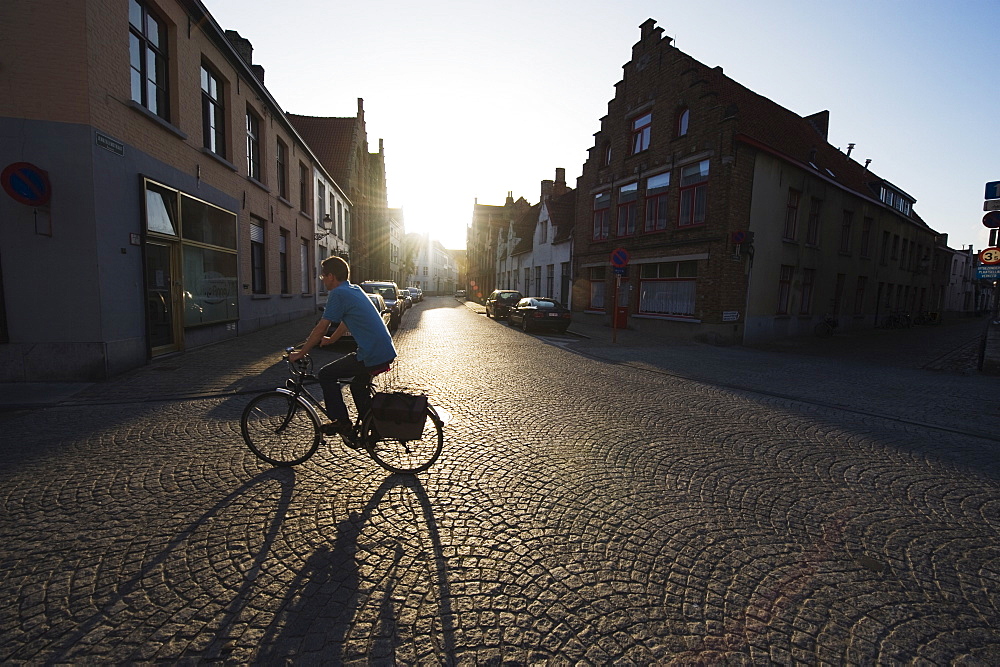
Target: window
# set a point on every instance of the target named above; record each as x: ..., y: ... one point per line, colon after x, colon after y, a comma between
x: 640, y: 132
x: 812, y: 227
x: 253, y: 145
x: 147, y: 50
x: 527, y: 280
x: 596, y: 277
x: 304, y: 266
x: 207, y: 236
x: 656, y: 202
x: 784, y: 288
x: 884, y: 252
x: 902, y: 256
x: 303, y: 188
x: 606, y: 154
x: 808, y: 281
x: 791, y: 214
x: 683, y: 118
x: 258, y: 280
x: 626, y: 209
x: 213, y: 118
x: 281, y: 158
x: 550, y: 280
x: 283, y: 261
x: 668, y: 288
x: 602, y: 202
x: 694, y: 194
x: 320, y: 200
x: 866, y: 236
x: 564, y: 283
x: 895, y: 246
x: 538, y: 278
x: 859, y: 295
x: 845, y: 231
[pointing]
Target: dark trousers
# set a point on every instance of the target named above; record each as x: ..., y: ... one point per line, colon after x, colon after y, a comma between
x: 346, y: 366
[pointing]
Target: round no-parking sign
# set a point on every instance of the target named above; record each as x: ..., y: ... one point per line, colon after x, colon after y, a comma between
x: 26, y: 183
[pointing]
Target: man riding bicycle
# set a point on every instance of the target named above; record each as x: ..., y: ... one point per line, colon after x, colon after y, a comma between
x: 349, y: 305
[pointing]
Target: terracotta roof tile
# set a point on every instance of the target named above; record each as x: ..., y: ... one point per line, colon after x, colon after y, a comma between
x: 332, y: 140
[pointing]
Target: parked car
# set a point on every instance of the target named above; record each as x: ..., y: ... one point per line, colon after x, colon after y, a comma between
x: 405, y: 299
x: 390, y: 293
x: 460, y: 294
x: 499, y: 303
x: 348, y: 338
x: 539, y: 313
x: 416, y: 293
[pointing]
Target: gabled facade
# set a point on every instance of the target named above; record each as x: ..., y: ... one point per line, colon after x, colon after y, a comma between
x: 182, y: 205
x: 535, y: 255
x: 342, y: 147
x: 481, y: 243
x: 740, y: 221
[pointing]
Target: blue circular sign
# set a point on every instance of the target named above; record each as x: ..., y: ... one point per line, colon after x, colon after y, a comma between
x: 26, y: 183
x: 619, y: 258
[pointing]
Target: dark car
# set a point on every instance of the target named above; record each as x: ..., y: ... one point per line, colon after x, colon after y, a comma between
x: 539, y: 313
x: 390, y: 292
x: 416, y: 293
x: 499, y: 303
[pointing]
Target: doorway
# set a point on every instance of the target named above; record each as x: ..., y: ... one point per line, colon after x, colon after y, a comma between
x: 163, y: 322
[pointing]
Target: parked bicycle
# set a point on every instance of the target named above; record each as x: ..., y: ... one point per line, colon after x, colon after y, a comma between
x: 282, y: 427
x: 898, y: 320
x: 825, y: 328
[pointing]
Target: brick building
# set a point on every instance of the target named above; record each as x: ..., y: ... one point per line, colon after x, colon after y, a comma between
x: 742, y: 223
x: 488, y: 221
x: 184, y: 205
x: 342, y: 146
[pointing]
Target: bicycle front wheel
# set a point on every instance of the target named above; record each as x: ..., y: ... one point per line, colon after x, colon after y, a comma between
x: 405, y: 456
x: 280, y: 429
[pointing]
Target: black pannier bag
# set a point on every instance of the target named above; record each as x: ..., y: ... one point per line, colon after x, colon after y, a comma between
x: 399, y: 416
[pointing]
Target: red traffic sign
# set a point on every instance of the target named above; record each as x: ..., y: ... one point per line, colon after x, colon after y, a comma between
x: 619, y: 258
x: 26, y: 183
x: 992, y: 219
x: 990, y: 256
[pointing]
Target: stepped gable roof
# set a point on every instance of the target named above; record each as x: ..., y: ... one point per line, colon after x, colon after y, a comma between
x: 801, y: 140
x: 331, y: 140
x: 562, y: 215
x: 524, y: 229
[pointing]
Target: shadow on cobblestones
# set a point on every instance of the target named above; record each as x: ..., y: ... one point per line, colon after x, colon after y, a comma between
x: 332, y: 605
x: 78, y: 644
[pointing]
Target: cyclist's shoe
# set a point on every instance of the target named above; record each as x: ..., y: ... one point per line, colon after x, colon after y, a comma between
x: 334, y: 428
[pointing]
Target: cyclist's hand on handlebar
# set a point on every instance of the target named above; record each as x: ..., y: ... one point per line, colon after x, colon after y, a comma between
x: 296, y: 355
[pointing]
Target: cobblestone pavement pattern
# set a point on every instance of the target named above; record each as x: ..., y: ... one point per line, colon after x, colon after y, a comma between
x: 592, y: 505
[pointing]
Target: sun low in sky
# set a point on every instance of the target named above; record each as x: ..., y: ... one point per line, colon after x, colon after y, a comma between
x: 475, y: 99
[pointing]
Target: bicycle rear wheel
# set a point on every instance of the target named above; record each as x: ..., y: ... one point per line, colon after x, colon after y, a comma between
x: 280, y: 429
x: 405, y: 456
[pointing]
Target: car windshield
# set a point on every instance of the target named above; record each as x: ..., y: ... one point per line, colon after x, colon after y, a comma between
x: 508, y: 296
x: 546, y: 304
x: 387, y: 293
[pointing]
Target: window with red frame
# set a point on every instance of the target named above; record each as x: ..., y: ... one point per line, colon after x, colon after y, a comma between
x: 656, y: 202
x: 602, y: 204
x: 791, y: 215
x: 641, y: 129
x: 626, y: 210
x: 693, y: 194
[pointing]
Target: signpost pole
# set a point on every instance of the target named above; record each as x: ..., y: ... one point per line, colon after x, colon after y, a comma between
x: 614, y: 310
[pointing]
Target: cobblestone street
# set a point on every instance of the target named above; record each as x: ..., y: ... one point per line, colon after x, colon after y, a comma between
x: 593, y: 504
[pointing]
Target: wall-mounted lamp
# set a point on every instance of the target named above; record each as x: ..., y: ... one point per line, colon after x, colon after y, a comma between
x: 327, y: 224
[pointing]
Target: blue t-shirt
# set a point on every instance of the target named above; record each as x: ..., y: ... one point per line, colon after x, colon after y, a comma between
x: 349, y: 304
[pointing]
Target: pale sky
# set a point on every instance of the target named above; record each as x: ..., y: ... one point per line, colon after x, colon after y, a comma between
x: 474, y: 99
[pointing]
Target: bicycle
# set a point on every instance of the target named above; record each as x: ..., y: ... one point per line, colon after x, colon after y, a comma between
x: 825, y: 328
x: 282, y: 426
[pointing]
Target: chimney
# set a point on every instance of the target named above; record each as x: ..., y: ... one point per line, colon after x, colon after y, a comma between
x: 258, y: 72
x: 243, y: 46
x: 559, y: 187
x: 546, y: 190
